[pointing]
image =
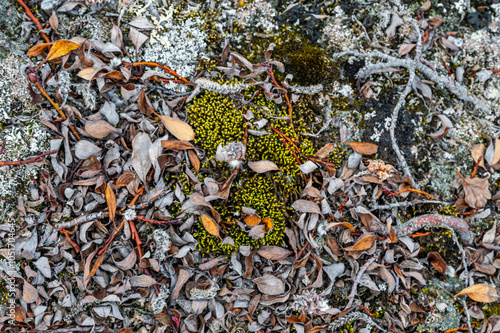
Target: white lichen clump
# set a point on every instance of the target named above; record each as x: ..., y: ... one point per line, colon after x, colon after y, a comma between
x: 179, y: 45
x: 14, y: 94
x: 310, y: 302
x: 204, y: 294
x: 161, y: 300
x: 258, y: 14
x: 21, y: 143
x: 162, y: 244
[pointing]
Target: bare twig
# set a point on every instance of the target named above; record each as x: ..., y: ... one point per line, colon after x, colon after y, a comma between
x: 83, y: 219
x: 35, y: 159
x: 410, y: 203
x: 358, y: 278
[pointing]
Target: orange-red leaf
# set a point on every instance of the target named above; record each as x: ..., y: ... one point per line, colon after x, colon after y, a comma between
x: 252, y: 220
x: 481, y: 293
x: 111, y: 201
x: 38, y: 49
x: 210, y: 226
x: 364, y: 243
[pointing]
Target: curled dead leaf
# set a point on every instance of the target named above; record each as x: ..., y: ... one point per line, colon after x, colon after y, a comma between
x: 406, y: 48
x: 477, y: 192
x: 447, y: 125
x: 306, y: 206
x: 125, y: 179
x: 100, y: 129
x: 478, y: 152
x: 340, y: 224
x: 435, y: 21
x: 273, y: 252
x: 177, y: 145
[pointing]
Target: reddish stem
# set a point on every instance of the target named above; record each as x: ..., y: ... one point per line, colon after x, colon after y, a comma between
x: 29, y: 160
x: 35, y: 20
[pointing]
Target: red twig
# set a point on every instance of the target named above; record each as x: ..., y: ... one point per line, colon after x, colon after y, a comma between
x: 3, y: 146
x: 141, y: 218
x: 35, y: 20
x: 69, y: 240
x: 29, y: 160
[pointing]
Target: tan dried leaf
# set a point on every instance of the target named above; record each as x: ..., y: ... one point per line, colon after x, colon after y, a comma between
x: 306, y: 206
x: 406, y: 48
x: 125, y: 179
x: 273, y: 252
x: 61, y: 48
x: 426, y: 5
x: 194, y: 159
x: 38, y: 49
x: 178, y: 128
x: 340, y: 224
x: 435, y: 21
x: 477, y: 192
x: 325, y: 151
x: 447, y: 125
x: 437, y: 262
x: 177, y: 145
x: 263, y: 166
x: 86, y: 73
x: 478, y: 152
x: 100, y: 129
x: 30, y: 294
x: 270, y: 285
x: 210, y: 226
x: 363, y: 148
x: 142, y: 281
x: 364, y: 243
x: 481, y: 293
x: 111, y: 202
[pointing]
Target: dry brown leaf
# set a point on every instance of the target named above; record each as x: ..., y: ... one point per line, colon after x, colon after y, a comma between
x: 435, y: 21
x: 125, y: 179
x: 263, y: 166
x: 54, y: 22
x: 478, y: 152
x: 257, y: 232
x: 20, y: 314
x: 142, y: 281
x: 306, y: 206
x: 252, y: 220
x: 210, y: 225
x: 477, y: 192
x: 268, y: 222
x: 195, y: 161
x: 364, y: 243
x: 111, y: 202
x: 437, y: 262
x: 30, y: 294
x: 100, y: 129
x: 496, y: 154
x: 181, y: 281
x: 273, y: 252
x: 38, y: 49
x: 426, y: 6
x: 178, y: 128
x: 481, y: 293
x: 61, y: 48
x: 406, y: 48
x: 325, y: 151
x: 177, y: 145
x: 270, y: 285
x: 340, y: 224
x: 86, y: 73
x: 363, y: 148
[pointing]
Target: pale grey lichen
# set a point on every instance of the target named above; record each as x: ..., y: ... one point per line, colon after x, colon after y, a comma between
x: 258, y: 14
x: 162, y: 244
x: 310, y: 302
x: 204, y: 294
x: 14, y: 95
x: 161, y: 300
x: 30, y: 140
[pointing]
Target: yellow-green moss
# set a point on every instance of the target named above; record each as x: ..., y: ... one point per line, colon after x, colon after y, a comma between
x: 218, y: 120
